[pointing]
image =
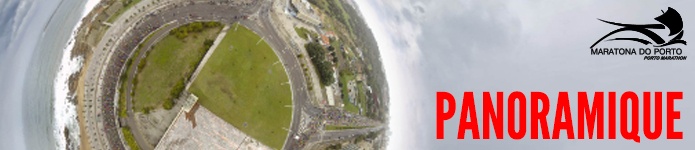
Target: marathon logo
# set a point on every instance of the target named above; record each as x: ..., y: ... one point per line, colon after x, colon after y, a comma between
x: 669, y: 19
x: 661, y: 53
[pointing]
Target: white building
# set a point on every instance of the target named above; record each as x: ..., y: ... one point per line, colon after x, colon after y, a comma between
x: 305, y: 12
x: 330, y: 95
x: 189, y: 102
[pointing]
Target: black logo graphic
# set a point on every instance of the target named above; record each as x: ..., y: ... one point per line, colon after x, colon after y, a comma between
x: 670, y: 19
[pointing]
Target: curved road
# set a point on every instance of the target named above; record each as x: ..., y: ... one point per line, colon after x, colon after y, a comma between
x: 181, y: 13
x: 175, y: 16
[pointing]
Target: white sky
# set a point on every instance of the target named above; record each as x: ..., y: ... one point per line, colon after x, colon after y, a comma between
x: 538, y: 45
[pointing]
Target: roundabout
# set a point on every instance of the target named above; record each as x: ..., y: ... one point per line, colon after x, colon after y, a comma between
x: 162, y: 62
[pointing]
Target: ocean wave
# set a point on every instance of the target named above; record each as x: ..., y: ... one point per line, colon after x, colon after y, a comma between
x: 66, y: 128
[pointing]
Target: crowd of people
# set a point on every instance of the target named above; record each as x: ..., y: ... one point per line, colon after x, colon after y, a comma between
x: 342, y: 118
x: 113, y: 73
x: 130, y: 42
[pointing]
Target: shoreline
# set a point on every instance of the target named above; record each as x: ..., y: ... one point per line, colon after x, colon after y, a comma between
x: 83, y: 49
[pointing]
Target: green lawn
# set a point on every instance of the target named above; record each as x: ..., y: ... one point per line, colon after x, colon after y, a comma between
x: 167, y: 66
x: 125, y: 77
x: 244, y: 84
x: 350, y: 107
x: 129, y: 139
x: 304, y: 33
x: 121, y: 102
x: 344, y: 79
x: 361, y: 97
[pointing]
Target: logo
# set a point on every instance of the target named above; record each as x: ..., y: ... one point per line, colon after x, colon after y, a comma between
x: 668, y: 20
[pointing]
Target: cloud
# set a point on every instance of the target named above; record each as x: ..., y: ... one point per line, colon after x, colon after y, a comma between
x: 397, y: 38
x: 14, y: 16
x: 417, y: 45
x: 540, y: 45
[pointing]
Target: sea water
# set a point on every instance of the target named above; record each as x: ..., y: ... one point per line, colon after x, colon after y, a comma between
x: 48, y: 109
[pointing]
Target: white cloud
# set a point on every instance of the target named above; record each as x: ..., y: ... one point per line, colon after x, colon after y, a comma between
x: 541, y: 45
x: 399, y: 55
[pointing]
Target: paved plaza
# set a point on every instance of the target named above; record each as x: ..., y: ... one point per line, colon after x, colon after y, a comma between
x: 201, y: 129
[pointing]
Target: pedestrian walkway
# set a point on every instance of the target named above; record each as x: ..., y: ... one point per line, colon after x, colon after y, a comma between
x: 207, y: 56
x: 207, y: 132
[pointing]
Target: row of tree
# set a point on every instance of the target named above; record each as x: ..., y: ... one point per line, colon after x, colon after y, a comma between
x: 182, y: 32
x: 318, y: 57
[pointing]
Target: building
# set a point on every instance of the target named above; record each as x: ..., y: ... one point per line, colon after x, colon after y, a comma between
x: 326, y: 38
x: 305, y: 12
x: 352, y: 91
x: 330, y: 95
x: 359, y: 77
x: 189, y: 101
x: 331, y: 34
x: 310, y: 19
x: 325, y: 41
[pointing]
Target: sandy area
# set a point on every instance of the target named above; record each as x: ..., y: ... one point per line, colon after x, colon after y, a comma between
x: 84, y: 49
x: 84, y: 142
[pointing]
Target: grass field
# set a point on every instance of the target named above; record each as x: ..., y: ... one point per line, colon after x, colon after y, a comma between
x: 350, y: 107
x: 125, y: 77
x: 361, y: 97
x: 130, y: 140
x: 167, y: 66
x: 245, y: 84
x: 344, y: 79
x: 304, y: 33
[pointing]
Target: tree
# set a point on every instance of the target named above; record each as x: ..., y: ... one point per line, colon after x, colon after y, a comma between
x: 208, y: 43
x: 318, y: 58
x: 211, y: 24
x: 182, y: 32
x: 196, y: 27
x: 335, y: 147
